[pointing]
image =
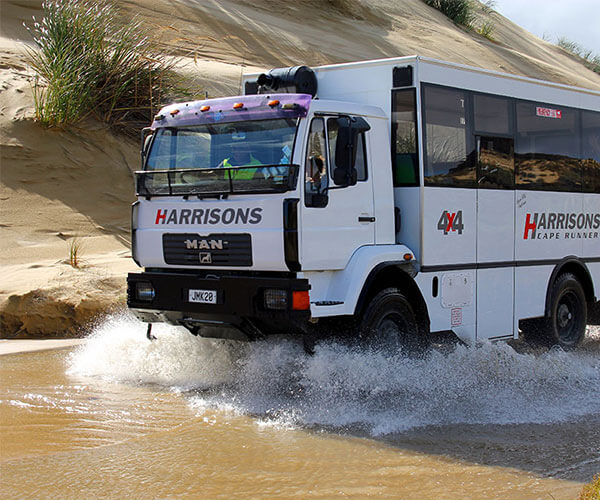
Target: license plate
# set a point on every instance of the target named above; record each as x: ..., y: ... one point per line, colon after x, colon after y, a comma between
x: 202, y: 296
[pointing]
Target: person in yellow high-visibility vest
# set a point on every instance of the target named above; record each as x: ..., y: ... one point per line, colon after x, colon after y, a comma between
x: 241, y: 157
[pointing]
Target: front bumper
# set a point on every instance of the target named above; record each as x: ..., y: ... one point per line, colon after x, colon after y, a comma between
x: 240, y: 310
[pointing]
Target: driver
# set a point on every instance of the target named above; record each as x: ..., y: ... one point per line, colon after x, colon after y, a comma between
x: 241, y: 157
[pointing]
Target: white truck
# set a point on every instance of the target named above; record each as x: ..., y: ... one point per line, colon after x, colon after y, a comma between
x: 393, y: 199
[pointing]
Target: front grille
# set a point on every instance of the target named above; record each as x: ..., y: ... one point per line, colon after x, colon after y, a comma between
x: 191, y: 249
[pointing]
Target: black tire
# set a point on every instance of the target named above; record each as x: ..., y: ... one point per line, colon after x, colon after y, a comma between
x: 567, y: 318
x: 389, y: 322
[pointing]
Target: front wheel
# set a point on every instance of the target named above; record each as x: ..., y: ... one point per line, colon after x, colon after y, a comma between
x: 565, y: 325
x: 390, y: 323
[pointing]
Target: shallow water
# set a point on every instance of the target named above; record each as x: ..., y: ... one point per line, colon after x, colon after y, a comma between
x: 183, y: 416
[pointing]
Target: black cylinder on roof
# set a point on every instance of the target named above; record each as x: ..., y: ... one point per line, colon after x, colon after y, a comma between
x: 294, y: 80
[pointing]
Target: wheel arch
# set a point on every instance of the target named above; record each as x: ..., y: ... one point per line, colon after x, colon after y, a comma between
x: 394, y: 275
x: 577, y: 267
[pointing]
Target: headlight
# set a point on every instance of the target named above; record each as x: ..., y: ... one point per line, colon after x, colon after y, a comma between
x: 144, y: 291
x: 276, y: 299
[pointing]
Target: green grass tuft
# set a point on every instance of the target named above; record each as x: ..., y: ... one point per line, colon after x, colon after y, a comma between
x: 463, y: 12
x: 89, y: 64
x: 486, y: 30
x: 590, y: 60
x: 460, y: 11
x: 75, y: 246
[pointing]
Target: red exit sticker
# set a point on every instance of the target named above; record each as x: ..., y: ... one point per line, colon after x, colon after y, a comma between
x: 548, y: 112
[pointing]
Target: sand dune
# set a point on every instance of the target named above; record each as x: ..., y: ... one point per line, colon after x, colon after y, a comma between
x: 58, y: 185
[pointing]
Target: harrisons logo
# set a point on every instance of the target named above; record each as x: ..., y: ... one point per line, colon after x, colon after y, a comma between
x: 561, y: 226
x: 212, y: 216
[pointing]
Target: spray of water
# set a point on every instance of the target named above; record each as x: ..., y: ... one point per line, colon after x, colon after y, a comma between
x: 338, y: 386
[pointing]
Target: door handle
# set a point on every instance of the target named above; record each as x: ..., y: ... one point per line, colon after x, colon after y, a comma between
x: 366, y: 219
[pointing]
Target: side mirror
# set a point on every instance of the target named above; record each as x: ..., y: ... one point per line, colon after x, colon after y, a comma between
x: 344, y: 177
x: 344, y: 173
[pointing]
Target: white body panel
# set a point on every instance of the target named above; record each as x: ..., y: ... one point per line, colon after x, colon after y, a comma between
x: 450, y: 244
x: 591, y: 245
x: 344, y: 287
x: 267, y: 243
x: 495, y: 244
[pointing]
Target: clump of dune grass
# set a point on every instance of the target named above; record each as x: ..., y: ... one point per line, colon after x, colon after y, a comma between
x: 591, y: 491
x: 590, y: 60
x: 87, y: 63
x: 463, y: 13
x: 75, y: 246
x: 460, y: 11
x: 486, y: 30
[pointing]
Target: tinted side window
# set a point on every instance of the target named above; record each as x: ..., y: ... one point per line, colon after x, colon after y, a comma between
x: 591, y: 151
x: 548, y: 147
x: 496, y: 167
x: 492, y: 114
x: 405, y: 159
x: 447, y: 162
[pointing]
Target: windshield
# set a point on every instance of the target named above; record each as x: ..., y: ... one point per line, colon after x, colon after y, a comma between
x: 243, y: 156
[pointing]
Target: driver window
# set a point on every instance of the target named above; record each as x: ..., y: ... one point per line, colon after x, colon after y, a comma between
x: 316, y: 178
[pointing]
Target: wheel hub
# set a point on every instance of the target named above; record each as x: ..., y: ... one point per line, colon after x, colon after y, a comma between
x: 564, y: 315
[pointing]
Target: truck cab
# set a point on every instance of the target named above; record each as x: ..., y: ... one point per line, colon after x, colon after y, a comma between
x: 249, y: 205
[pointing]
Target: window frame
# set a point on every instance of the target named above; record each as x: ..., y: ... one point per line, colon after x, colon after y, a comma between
x: 393, y: 130
x: 308, y: 195
x: 584, y: 184
x: 469, y: 134
x: 578, y: 136
x: 472, y: 133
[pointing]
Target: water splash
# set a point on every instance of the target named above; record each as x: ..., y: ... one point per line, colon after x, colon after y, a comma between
x: 340, y: 386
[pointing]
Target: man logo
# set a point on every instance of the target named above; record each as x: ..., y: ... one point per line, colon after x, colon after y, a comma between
x: 205, y: 258
x: 204, y: 244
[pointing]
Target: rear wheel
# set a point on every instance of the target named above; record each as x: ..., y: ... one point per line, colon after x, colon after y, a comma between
x: 565, y: 325
x: 390, y: 323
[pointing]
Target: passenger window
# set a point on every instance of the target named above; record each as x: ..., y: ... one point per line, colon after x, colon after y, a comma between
x: 316, y: 178
x: 405, y: 160
x: 492, y: 114
x: 360, y: 164
x: 591, y: 151
x: 496, y: 166
x: 548, y: 148
x: 447, y: 162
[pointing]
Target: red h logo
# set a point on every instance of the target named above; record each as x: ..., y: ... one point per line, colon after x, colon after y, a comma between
x: 530, y: 226
x: 160, y: 216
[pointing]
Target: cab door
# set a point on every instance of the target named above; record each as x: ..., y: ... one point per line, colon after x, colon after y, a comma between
x: 336, y: 220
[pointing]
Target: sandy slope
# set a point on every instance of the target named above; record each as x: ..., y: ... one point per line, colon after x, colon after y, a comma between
x: 55, y: 185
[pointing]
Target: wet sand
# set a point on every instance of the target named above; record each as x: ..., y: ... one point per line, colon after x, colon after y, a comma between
x: 32, y: 345
x: 186, y: 417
